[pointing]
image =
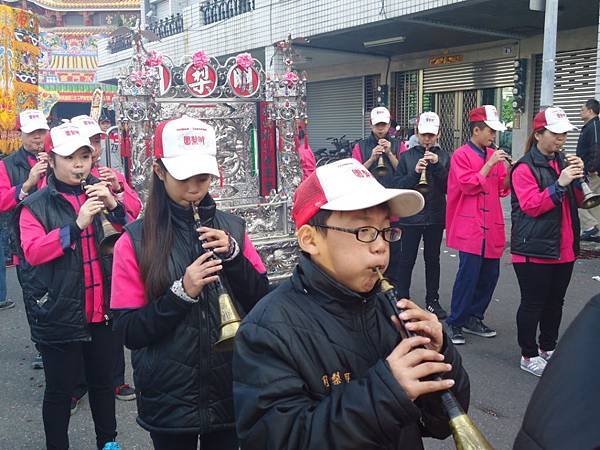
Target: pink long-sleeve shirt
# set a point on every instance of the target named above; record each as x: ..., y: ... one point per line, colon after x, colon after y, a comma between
x: 534, y: 203
x: 9, y: 193
x: 127, y: 291
x: 131, y: 201
x: 41, y: 247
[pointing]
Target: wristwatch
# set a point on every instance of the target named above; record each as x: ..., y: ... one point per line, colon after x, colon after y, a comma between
x: 179, y: 291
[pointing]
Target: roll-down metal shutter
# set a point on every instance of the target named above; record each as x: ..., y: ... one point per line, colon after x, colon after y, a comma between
x: 574, y: 84
x: 335, y: 108
x: 461, y: 77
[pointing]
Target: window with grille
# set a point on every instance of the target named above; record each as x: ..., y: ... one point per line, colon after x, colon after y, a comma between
x: 406, y: 104
x: 370, y: 96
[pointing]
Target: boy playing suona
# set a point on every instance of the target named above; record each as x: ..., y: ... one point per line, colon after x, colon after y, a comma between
x: 318, y: 363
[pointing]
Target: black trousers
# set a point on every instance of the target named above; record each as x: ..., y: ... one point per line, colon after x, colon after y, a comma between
x: 219, y: 440
x: 543, y: 288
x: 118, y: 368
x: 409, y: 248
x: 62, y: 369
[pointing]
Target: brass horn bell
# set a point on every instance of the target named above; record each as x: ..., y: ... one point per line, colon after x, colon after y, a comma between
x: 381, y: 170
x: 107, y: 244
x: 230, y: 323
x: 590, y: 199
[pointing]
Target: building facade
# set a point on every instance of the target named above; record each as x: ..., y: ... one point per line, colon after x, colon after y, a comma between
x: 69, y: 31
x: 411, y: 55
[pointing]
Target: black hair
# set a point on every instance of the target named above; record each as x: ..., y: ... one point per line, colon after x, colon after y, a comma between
x: 479, y: 124
x: 158, y: 235
x: 320, y: 218
x: 593, y: 105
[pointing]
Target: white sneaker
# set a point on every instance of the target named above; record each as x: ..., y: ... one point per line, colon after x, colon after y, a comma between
x: 546, y: 354
x: 535, y: 365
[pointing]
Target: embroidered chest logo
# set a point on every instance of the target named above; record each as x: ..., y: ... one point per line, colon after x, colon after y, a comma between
x: 335, y: 379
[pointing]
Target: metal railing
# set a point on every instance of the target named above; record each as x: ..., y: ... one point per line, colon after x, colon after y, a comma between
x: 217, y: 10
x: 167, y: 26
x: 120, y: 43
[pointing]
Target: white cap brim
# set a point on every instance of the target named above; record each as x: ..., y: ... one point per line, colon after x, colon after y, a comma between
x: 31, y: 127
x: 495, y: 125
x: 561, y: 127
x: 71, y: 147
x: 427, y: 130
x: 402, y: 202
x: 186, y: 166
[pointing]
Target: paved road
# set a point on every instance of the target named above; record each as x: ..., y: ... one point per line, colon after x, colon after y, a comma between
x: 499, y: 395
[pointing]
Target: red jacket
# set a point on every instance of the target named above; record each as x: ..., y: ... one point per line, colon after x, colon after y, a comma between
x: 474, y: 217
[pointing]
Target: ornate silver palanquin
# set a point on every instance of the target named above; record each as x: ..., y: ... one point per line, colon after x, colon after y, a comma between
x: 225, y: 95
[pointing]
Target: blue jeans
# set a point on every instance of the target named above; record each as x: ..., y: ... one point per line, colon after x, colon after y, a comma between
x: 475, y: 282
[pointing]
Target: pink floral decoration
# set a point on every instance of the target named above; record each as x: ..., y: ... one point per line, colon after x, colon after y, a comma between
x: 139, y: 77
x: 244, y: 60
x: 155, y: 58
x: 290, y: 78
x: 200, y: 59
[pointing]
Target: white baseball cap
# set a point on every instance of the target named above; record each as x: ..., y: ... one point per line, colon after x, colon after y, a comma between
x: 428, y: 123
x: 67, y: 138
x: 89, y: 126
x: 553, y: 119
x: 31, y: 120
x: 489, y: 115
x: 380, y: 115
x: 187, y: 147
x: 346, y: 185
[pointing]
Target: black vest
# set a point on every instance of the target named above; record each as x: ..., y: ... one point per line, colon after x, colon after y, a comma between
x: 540, y: 237
x: 366, y: 148
x: 59, y: 316
x: 17, y: 168
x: 205, y: 402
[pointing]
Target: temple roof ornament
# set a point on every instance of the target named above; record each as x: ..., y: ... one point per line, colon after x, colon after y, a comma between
x: 84, y: 5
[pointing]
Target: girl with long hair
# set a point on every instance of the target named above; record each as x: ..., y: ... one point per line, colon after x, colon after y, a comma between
x: 164, y: 297
x: 546, y: 192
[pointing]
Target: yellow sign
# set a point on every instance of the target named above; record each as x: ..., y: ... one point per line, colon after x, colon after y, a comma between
x: 445, y: 59
x: 96, y: 107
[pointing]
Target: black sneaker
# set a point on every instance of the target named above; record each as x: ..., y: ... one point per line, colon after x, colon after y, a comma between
x: 455, y: 334
x: 125, y: 392
x: 477, y: 327
x: 434, y: 306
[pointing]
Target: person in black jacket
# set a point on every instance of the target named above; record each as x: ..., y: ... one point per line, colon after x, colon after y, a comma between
x: 564, y: 409
x: 21, y: 174
x: 588, y: 149
x: 318, y: 363
x: 165, y: 301
x: 60, y: 231
x: 426, y: 157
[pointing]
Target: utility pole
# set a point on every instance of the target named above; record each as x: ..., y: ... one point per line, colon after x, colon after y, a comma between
x: 549, y: 56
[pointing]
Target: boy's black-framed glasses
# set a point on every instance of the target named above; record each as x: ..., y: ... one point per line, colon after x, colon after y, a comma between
x: 369, y: 234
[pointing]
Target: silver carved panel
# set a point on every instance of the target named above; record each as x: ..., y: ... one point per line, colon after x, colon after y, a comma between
x: 139, y: 109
